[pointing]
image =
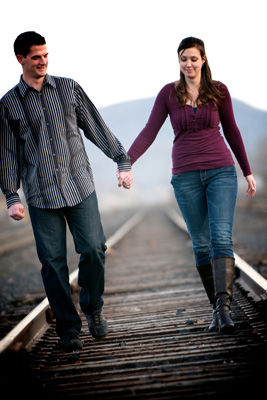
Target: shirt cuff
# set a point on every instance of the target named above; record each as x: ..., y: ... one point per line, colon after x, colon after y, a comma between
x: 124, y: 163
x: 12, y: 199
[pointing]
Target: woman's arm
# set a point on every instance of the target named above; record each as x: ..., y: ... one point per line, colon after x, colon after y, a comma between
x: 156, y: 119
x: 232, y: 132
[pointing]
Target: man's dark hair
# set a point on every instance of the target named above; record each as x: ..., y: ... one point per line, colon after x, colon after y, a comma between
x: 25, y: 40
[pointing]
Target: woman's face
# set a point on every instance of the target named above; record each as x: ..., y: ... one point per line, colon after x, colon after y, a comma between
x: 191, y: 62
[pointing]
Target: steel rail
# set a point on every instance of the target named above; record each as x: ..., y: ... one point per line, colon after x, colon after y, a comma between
x: 247, y: 277
x: 36, y: 321
x: 158, y: 346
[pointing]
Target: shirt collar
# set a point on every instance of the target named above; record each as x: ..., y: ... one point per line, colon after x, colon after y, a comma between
x: 23, y: 87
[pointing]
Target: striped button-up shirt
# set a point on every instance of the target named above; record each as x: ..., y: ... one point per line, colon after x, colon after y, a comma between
x: 41, y: 143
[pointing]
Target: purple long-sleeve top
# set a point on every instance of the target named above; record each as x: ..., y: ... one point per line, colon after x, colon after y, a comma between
x: 198, y: 143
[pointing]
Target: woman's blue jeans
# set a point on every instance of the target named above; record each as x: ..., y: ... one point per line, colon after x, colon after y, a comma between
x: 207, y: 201
x: 49, y: 227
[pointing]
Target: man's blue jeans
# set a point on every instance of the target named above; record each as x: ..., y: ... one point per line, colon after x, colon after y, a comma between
x: 49, y: 227
x: 207, y: 201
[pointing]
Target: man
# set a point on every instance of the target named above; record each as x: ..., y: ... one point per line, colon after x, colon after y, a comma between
x: 41, y: 145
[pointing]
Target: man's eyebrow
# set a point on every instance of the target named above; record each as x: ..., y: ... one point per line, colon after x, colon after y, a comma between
x: 38, y: 56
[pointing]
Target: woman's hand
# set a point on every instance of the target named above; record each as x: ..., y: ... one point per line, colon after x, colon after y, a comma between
x: 251, y: 190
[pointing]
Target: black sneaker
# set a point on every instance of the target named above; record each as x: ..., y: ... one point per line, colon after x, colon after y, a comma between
x: 70, y: 341
x: 98, y: 325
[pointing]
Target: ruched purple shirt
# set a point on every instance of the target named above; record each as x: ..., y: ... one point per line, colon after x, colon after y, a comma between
x: 198, y: 142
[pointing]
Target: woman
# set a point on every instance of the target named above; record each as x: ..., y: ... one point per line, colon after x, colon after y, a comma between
x: 204, y: 176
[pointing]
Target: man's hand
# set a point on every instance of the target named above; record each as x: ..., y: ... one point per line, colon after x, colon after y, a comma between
x: 16, y: 212
x: 125, y: 179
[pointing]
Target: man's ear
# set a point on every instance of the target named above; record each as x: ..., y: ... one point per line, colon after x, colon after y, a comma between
x: 20, y: 59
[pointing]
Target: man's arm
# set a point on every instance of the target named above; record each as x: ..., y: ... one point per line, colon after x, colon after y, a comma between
x: 96, y: 130
x: 9, y: 161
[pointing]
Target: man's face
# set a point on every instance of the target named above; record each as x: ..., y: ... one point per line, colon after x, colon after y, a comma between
x: 35, y: 63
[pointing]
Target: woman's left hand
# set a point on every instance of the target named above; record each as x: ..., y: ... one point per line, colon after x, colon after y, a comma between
x: 251, y: 190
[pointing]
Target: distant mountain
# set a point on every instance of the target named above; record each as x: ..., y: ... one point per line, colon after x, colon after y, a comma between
x: 252, y: 123
x: 152, y: 172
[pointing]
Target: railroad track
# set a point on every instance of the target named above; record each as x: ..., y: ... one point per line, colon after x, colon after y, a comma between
x: 157, y: 346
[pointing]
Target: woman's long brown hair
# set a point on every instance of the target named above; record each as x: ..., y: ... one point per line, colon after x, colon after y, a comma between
x: 209, y: 89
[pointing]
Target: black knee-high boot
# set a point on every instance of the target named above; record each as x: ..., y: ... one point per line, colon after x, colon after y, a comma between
x: 223, y: 272
x: 206, y: 275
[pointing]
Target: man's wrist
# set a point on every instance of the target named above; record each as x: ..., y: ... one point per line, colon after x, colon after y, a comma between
x: 123, y: 162
x: 12, y: 199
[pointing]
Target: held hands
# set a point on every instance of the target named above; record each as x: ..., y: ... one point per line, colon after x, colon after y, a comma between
x: 16, y: 212
x: 251, y: 190
x: 125, y: 179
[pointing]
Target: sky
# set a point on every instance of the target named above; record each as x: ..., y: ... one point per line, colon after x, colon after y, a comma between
x: 122, y: 50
